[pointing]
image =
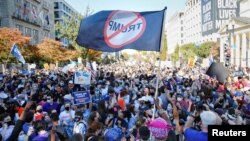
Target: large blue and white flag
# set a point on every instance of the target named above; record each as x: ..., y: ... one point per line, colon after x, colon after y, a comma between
x: 112, y: 31
x: 15, y: 52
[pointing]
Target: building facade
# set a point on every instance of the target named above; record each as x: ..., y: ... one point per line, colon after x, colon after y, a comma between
x: 34, y: 18
x: 236, y: 35
x: 63, y: 9
x: 192, y: 20
x: 175, y: 31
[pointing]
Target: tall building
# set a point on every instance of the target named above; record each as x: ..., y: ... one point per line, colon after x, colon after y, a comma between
x: 33, y: 18
x: 175, y: 31
x: 192, y: 20
x: 235, y: 35
x: 63, y: 9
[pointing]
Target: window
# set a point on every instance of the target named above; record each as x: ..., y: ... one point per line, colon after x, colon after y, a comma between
x: 18, y: 9
x: 64, y: 7
x: 56, y: 14
x: 35, y: 36
x: 19, y: 27
x: 46, y: 34
x: 28, y: 31
x: 56, y: 5
x: 25, y: 10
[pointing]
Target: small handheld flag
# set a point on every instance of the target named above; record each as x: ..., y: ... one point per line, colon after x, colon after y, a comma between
x: 15, y: 52
x: 112, y: 31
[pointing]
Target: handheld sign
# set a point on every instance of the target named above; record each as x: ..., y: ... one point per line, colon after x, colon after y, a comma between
x: 82, y: 78
x: 81, y: 97
x: 46, y: 66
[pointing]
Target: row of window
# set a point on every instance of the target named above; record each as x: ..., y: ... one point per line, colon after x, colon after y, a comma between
x: 60, y: 5
x: 32, y: 33
x: 60, y: 14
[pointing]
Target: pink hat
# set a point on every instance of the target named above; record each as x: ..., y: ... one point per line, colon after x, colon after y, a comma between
x: 159, y: 128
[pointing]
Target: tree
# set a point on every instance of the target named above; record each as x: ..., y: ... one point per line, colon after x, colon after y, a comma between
x: 125, y: 56
x: 164, y: 48
x: 9, y: 36
x: 187, y: 51
x: 175, y: 56
x: 204, y: 50
x: 215, y: 50
x: 68, y: 28
x: 51, y: 51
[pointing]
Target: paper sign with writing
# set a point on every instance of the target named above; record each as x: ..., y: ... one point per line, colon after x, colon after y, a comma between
x: 82, y: 78
x: 81, y: 97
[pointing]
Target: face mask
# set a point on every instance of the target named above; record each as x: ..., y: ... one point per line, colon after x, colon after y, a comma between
x: 198, y: 99
x: 49, y: 101
x: 67, y: 108
x: 185, y: 95
x: 179, y: 99
x: 61, y: 84
x: 77, y: 119
x: 169, y: 108
x: 22, y: 102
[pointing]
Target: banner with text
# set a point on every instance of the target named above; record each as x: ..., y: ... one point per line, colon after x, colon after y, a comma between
x: 81, y: 97
x: 216, y: 13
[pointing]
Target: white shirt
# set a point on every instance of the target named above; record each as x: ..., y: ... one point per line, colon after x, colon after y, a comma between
x: 66, y: 116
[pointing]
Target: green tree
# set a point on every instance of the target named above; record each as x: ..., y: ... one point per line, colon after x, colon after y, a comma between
x: 164, y: 48
x: 204, y: 50
x: 68, y: 28
x: 187, y: 51
x: 175, y: 56
x: 125, y: 56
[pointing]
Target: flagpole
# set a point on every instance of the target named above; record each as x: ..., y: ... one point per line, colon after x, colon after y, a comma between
x: 159, y: 59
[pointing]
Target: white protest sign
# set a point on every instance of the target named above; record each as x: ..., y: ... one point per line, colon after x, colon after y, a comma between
x: 82, y: 78
x: 32, y: 66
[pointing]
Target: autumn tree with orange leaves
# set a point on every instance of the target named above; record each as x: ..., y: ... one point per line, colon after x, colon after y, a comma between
x: 7, y: 38
x: 48, y: 51
x: 51, y: 51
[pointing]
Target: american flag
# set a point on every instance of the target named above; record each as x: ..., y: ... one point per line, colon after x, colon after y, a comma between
x: 90, y: 68
x: 34, y: 12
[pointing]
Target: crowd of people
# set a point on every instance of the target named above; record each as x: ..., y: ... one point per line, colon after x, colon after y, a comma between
x: 126, y: 104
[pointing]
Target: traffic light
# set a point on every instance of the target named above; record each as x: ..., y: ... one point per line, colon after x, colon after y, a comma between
x: 227, y: 52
